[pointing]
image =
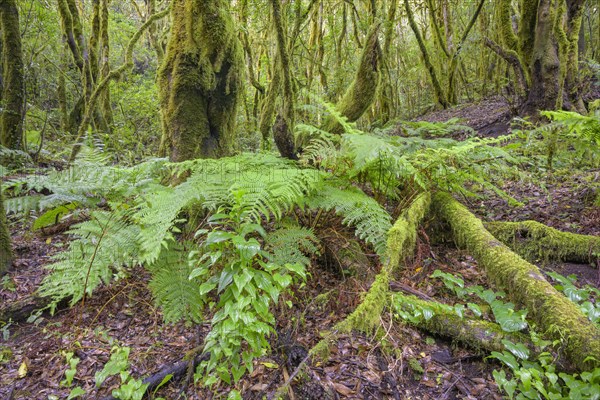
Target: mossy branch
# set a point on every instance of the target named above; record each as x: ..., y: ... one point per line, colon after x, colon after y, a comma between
x: 400, y: 244
x: 535, y: 241
x: 437, y: 87
x: 476, y: 333
x: 361, y: 93
x: 560, y: 318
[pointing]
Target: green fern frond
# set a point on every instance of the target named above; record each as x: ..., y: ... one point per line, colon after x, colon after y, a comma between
x: 173, y: 291
x: 370, y: 220
x: 436, y: 129
x: 264, y: 186
x: 22, y: 205
x: 291, y: 244
x: 101, y: 248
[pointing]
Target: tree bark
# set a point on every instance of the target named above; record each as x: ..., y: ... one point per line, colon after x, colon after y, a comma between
x: 437, y: 87
x: 535, y: 241
x: 13, y: 81
x: 283, y: 131
x: 545, y: 92
x: 6, y: 253
x: 200, y: 81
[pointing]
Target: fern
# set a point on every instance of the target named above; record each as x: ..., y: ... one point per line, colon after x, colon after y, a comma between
x: 581, y: 127
x: 263, y: 186
x: 101, y: 248
x: 370, y: 220
x: 88, y: 182
x: 436, y: 129
x: 290, y: 244
x: 173, y: 291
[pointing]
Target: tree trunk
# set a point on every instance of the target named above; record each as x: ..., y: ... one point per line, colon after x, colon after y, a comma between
x: 200, y: 81
x: 6, y: 254
x: 545, y: 92
x: 361, y: 93
x: 13, y: 93
x: 283, y: 131
x: 437, y: 87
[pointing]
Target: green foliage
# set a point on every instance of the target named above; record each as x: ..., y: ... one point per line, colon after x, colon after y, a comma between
x: 173, y: 291
x: 118, y: 364
x: 570, y: 139
x: 137, y: 128
x: 71, y: 371
x: 369, y: 218
x: 290, y: 244
x: 87, y: 183
x: 386, y: 163
x: 436, y: 129
x: 504, y: 312
x: 263, y: 185
x: 228, y: 263
x: 101, y: 249
x: 538, y: 378
x: 236, y: 270
x: 585, y: 297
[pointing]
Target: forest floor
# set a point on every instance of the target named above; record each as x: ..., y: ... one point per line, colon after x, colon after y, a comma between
x: 411, y: 365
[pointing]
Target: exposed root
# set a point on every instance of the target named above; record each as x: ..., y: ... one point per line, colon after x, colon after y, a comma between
x: 560, y: 318
x: 475, y: 333
x: 535, y: 241
x: 400, y: 244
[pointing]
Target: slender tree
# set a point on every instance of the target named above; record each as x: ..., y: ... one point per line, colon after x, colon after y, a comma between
x: 6, y: 254
x: 13, y: 92
x: 200, y: 81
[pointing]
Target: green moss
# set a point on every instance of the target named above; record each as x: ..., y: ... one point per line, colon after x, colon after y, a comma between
x: 200, y: 81
x: 476, y: 333
x: 6, y: 254
x: 535, y: 241
x: 361, y: 93
x: 524, y: 282
x: 527, y: 23
x: 13, y: 81
x: 509, y: 38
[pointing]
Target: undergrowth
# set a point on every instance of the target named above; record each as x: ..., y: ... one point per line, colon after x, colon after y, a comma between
x: 222, y: 239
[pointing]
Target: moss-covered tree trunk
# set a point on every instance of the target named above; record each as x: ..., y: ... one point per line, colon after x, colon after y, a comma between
x: 6, y: 254
x: 284, y: 125
x: 13, y: 92
x: 437, y: 87
x: 200, y: 81
x: 361, y: 93
x: 545, y: 92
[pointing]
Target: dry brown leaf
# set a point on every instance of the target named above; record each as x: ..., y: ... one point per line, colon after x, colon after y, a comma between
x: 342, y: 389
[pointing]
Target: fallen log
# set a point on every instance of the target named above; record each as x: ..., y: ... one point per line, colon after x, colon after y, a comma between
x: 19, y: 310
x: 535, y: 241
x: 560, y: 318
x: 176, y: 370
